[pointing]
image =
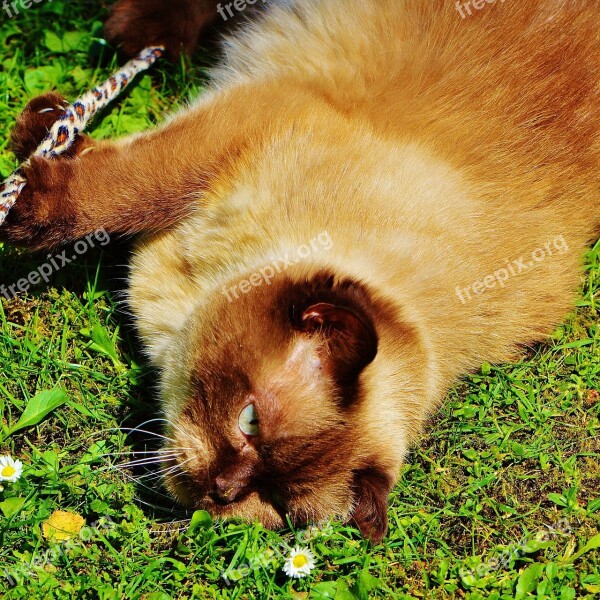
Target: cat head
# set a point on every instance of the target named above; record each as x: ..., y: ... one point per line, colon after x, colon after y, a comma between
x: 274, y: 404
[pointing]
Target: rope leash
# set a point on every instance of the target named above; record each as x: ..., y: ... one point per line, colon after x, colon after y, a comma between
x: 75, y: 119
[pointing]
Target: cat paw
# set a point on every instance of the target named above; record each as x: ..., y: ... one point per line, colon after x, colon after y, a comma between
x: 34, y: 123
x: 43, y: 216
x: 174, y: 24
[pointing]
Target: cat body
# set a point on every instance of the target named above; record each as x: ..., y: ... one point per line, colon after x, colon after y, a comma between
x: 419, y: 188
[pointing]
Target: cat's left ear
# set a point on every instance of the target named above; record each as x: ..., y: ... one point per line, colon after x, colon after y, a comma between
x: 371, y: 488
x: 350, y: 340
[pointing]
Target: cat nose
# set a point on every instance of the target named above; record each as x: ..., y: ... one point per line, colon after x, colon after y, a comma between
x: 225, y: 490
x: 234, y: 477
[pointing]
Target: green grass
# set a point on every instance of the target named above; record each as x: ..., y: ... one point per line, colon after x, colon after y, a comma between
x: 514, y: 452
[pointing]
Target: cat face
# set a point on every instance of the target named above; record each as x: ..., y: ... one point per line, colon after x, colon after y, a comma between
x: 271, y: 419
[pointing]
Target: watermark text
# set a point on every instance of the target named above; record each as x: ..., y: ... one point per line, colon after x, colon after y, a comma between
x: 55, y: 263
x: 265, y: 275
x: 512, y: 269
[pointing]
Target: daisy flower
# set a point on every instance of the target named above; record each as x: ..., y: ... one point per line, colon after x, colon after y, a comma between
x: 10, y: 469
x: 299, y: 563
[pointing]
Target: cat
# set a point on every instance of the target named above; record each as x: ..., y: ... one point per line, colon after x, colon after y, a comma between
x: 449, y: 162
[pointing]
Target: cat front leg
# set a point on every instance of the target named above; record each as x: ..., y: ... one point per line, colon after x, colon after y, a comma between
x: 151, y: 181
x: 146, y: 182
x: 112, y: 186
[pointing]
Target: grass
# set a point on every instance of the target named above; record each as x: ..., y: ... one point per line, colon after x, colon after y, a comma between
x: 501, y: 500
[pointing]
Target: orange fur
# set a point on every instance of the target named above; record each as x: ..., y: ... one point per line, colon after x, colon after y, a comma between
x: 434, y: 150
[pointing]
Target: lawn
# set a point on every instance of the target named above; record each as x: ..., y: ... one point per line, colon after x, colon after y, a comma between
x: 500, y: 500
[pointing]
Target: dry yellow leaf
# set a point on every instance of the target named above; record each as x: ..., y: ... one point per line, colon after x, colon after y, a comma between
x: 62, y: 525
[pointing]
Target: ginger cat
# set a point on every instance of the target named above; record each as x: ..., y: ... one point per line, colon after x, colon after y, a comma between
x: 441, y: 168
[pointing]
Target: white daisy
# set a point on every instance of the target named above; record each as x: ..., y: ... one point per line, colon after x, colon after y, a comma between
x: 10, y: 469
x: 299, y: 563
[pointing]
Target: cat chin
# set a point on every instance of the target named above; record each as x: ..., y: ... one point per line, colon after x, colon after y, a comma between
x: 249, y: 509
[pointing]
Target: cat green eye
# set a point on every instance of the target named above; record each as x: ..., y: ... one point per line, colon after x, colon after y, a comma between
x: 248, y: 421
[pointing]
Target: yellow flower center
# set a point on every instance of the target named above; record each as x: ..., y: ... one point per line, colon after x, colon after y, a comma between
x: 299, y: 561
x: 8, y: 471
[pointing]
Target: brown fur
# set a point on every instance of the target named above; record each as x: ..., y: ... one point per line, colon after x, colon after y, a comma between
x: 432, y: 149
x: 175, y: 24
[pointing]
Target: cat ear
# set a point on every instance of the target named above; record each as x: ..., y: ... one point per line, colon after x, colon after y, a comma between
x: 351, y: 342
x: 372, y: 488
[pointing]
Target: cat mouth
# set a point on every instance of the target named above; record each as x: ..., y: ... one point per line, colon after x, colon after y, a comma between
x: 263, y: 505
x: 250, y: 507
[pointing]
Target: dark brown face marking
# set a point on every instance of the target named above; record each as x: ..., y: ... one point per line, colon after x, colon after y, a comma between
x: 237, y: 470
x: 294, y: 351
x: 372, y: 488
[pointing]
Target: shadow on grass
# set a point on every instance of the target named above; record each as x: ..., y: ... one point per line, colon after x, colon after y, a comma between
x: 102, y: 272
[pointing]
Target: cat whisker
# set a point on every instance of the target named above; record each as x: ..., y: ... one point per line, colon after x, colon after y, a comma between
x: 164, y: 465
x: 160, y: 420
x: 142, y: 462
x: 176, y: 467
x: 130, y: 430
x: 171, y: 470
x: 171, y: 508
x: 181, y: 474
x: 163, y: 420
x: 153, y: 490
x: 166, y: 509
x: 150, y: 460
x: 151, y: 476
x: 153, y: 420
x: 157, y: 452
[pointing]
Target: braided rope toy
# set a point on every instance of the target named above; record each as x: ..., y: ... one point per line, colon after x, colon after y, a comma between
x: 75, y: 119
